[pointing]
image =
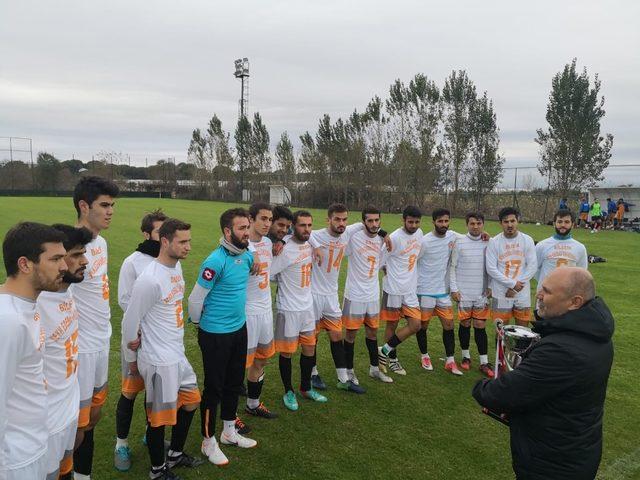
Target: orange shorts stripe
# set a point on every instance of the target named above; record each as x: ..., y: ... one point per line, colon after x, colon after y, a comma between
x: 189, y: 397
x: 309, y: 340
x: 263, y: 353
x: 249, y: 362
x: 501, y: 315
x: 66, y: 465
x: 522, y: 314
x: 445, y: 313
x: 99, y: 398
x: 132, y: 384
x: 390, y: 315
x: 84, y: 416
x: 410, y: 312
x: 329, y: 325
x: 473, y: 313
x: 286, y: 346
x: 354, y: 323
x: 163, y: 417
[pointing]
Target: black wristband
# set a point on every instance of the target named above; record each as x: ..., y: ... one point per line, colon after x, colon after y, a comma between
x: 382, y: 233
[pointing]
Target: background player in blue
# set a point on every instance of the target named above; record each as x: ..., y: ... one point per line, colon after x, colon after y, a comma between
x: 217, y: 305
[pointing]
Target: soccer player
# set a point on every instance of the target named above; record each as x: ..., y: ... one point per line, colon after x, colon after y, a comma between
x: 362, y: 292
x: 295, y: 323
x: 469, y: 285
x: 93, y: 199
x: 611, y: 212
x: 59, y: 319
x: 258, y: 309
x: 399, y: 287
x: 560, y: 249
x: 217, y: 306
x: 511, y: 263
x: 596, y: 216
x: 280, y: 227
x: 433, y: 288
x: 155, y: 313
x: 33, y: 257
x: 131, y: 269
x: 583, y: 209
x: 330, y: 244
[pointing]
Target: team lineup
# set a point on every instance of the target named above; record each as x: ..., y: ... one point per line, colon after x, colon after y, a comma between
x: 56, y: 319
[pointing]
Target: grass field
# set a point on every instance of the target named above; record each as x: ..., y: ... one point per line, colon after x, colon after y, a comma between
x: 425, y: 425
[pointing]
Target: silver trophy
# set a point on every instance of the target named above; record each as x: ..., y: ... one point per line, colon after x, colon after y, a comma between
x: 516, y: 341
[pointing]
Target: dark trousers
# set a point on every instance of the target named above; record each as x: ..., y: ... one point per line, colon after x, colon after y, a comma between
x: 223, y: 358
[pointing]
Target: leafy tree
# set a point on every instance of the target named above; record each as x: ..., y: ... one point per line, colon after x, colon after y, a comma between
x: 572, y: 150
x: 48, y: 171
x: 458, y: 96
x: 217, y: 146
x: 243, y: 147
x: 260, y: 161
x: 285, y: 159
x: 197, y: 155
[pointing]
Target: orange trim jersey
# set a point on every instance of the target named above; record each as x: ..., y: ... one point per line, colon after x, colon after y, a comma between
x: 324, y: 278
x: 59, y: 318
x: 258, y: 286
x: 23, y: 392
x: 402, y: 274
x: 92, y: 300
x: 292, y: 270
x: 364, y: 254
x: 510, y: 260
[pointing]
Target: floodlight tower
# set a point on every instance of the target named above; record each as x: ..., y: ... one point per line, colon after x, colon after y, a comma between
x: 242, y: 72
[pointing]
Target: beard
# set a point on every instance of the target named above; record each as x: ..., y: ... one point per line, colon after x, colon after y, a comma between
x: 238, y: 242
x: 48, y: 285
x: 567, y: 232
x: 441, y: 230
x: 372, y: 231
x: 338, y: 230
x: 69, y: 277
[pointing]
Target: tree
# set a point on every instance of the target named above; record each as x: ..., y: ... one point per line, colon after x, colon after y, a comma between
x: 243, y: 147
x: 285, y: 160
x: 48, y: 171
x: 572, y: 151
x: 260, y: 161
x: 458, y: 95
x: 197, y: 155
x: 217, y: 147
x: 486, y: 171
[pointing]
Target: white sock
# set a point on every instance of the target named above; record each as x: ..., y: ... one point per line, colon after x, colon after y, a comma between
x: 209, y: 441
x: 484, y: 359
x: 449, y: 359
x: 425, y: 355
x: 350, y: 372
x: 314, y: 370
x: 173, y: 453
x: 374, y: 368
x: 80, y: 476
x: 342, y: 375
x: 466, y: 354
x: 253, y: 402
x: 229, y: 428
x: 121, y: 442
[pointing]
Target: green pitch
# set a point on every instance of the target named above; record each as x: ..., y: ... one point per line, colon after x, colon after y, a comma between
x: 423, y: 426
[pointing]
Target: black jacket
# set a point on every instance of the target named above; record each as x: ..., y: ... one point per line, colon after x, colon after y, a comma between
x: 555, y: 397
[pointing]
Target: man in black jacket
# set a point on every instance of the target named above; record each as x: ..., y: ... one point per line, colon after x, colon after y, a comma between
x: 555, y: 398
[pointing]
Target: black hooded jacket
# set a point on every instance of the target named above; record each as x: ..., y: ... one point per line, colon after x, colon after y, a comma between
x: 555, y: 397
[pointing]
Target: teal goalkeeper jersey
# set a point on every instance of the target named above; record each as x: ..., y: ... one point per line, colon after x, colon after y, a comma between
x: 225, y: 276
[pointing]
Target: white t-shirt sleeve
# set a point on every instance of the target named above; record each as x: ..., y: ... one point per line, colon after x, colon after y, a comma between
x: 453, y: 284
x: 144, y: 295
x: 196, y: 302
x: 280, y: 262
x: 583, y: 258
x: 11, y: 347
x: 125, y: 284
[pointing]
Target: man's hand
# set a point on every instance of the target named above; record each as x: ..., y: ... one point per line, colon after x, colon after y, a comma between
x: 456, y: 296
x: 487, y: 293
x: 510, y: 293
x: 317, y: 256
x: 519, y: 286
x: 134, y: 345
x: 277, y: 248
x: 387, y: 243
x: 133, y: 368
x: 485, y: 237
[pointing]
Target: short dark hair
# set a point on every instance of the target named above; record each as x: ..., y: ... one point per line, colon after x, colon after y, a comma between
x: 563, y: 212
x: 336, y: 208
x: 300, y: 213
x: 608, y: 199
x: 440, y: 212
x: 370, y: 210
x: 90, y: 188
x: 255, y: 208
x: 74, y: 236
x: 506, y: 211
x: 26, y: 240
x: 148, y: 220
x: 280, y: 211
x: 170, y: 226
x: 226, y: 219
x: 476, y: 215
x: 411, y: 211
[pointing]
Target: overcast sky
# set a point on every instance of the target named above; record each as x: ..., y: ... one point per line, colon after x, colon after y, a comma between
x: 137, y: 77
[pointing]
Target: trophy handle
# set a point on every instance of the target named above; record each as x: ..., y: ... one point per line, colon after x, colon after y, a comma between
x: 500, y: 418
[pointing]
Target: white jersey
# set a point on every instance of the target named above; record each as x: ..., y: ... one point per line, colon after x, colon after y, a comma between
x: 292, y: 270
x: 552, y: 253
x: 468, y: 274
x: 510, y: 260
x: 433, y: 263
x: 402, y: 275
x: 23, y: 391
x: 324, y: 278
x: 130, y: 270
x: 258, y: 286
x: 92, y: 300
x: 155, y: 309
x: 59, y: 318
x: 364, y: 255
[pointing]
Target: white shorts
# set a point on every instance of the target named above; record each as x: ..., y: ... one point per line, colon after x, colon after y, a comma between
x: 519, y: 307
x: 131, y: 384
x: 168, y: 387
x: 93, y: 377
x: 354, y: 314
x: 60, y: 446
x: 477, y: 309
x: 396, y: 306
x: 36, y: 470
x: 326, y: 306
x: 260, y: 336
x: 435, y: 306
x: 293, y: 329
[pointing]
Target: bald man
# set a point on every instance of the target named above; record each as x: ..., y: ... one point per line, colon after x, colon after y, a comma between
x: 555, y: 398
